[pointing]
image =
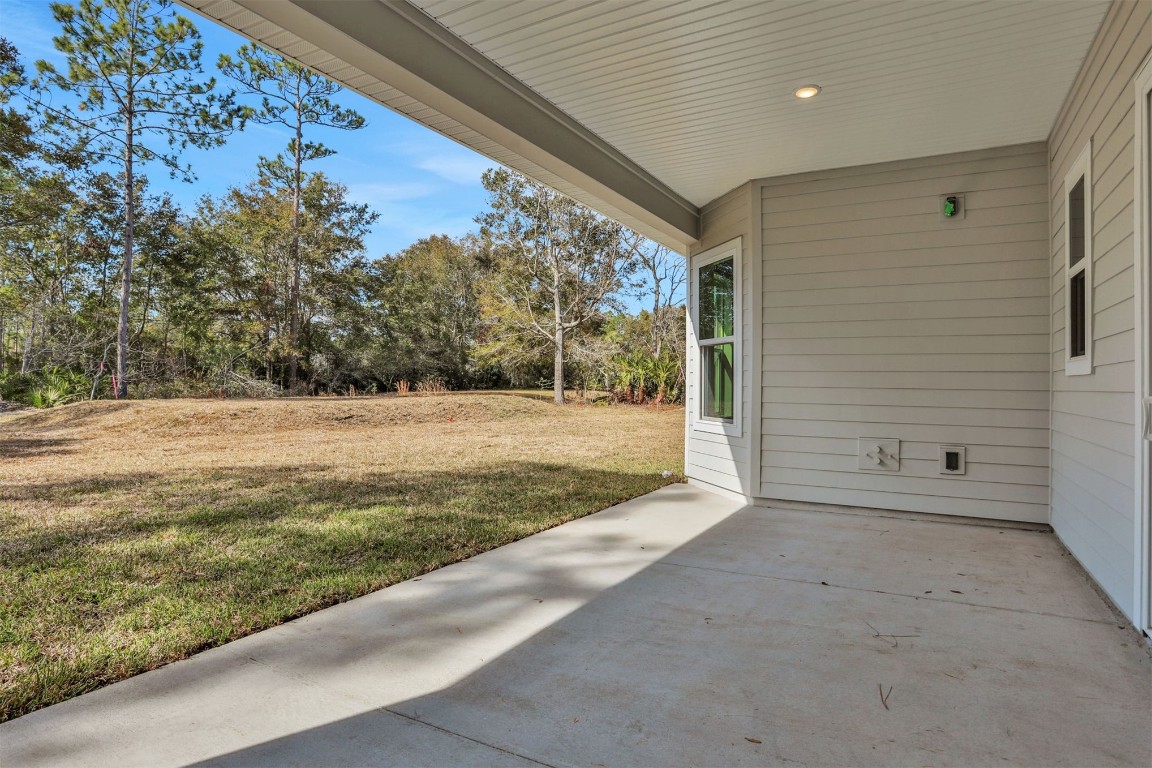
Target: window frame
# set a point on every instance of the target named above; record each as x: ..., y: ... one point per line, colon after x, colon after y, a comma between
x: 1081, y: 168
x: 700, y: 423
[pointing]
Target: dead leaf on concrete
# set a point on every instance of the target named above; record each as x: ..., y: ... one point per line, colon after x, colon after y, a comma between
x: 894, y: 638
x: 884, y: 696
x: 752, y: 740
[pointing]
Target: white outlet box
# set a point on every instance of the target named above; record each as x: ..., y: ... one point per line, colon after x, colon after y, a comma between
x: 879, y: 454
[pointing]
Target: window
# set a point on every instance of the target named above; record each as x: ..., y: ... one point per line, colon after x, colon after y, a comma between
x: 716, y: 313
x: 1078, y: 266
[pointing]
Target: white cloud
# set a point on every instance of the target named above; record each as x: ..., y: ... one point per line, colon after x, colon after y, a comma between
x: 379, y: 193
x: 401, y: 225
x: 458, y: 167
x: 29, y: 26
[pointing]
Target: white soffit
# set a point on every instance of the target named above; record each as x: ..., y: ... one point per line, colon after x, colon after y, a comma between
x: 646, y: 109
x: 699, y: 93
x: 392, y: 53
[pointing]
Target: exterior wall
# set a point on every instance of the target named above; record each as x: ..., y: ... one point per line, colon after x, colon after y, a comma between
x: 1093, y: 431
x: 882, y: 319
x: 721, y: 460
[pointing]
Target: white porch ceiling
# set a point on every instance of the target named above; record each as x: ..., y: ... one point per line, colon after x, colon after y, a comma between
x: 648, y: 109
x: 700, y: 93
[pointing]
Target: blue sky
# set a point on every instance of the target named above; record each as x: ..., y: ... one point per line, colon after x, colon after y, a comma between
x: 418, y: 181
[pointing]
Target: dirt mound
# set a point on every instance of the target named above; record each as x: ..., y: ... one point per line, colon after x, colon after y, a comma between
x: 192, y: 417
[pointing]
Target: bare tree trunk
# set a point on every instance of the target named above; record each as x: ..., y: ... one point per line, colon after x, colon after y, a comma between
x: 268, y: 353
x: 658, y: 337
x: 656, y: 330
x: 558, y: 360
x: 558, y: 368
x: 26, y: 361
x: 294, y: 293
x: 126, y: 272
x: 147, y: 298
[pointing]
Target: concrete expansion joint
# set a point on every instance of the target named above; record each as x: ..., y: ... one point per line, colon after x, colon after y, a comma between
x: 459, y: 735
x: 883, y: 592
x: 312, y: 682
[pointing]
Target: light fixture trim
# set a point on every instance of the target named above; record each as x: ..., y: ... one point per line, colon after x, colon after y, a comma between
x: 806, y: 92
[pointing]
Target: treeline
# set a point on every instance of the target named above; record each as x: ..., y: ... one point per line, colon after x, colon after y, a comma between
x: 108, y: 289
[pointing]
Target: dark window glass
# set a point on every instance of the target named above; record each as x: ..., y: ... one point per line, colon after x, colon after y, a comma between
x: 716, y: 300
x: 1076, y: 223
x: 717, y: 369
x: 1077, y: 336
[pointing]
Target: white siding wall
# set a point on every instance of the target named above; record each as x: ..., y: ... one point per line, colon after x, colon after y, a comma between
x: 1092, y: 416
x: 880, y: 319
x: 717, y: 459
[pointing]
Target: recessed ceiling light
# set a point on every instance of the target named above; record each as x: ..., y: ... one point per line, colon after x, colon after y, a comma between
x: 807, y: 91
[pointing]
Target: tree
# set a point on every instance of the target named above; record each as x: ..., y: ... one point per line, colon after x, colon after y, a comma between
x: 297, y: 98
x: 133, y: 69
x: 428, y: 310
x: 249, y: 229
x: 50, y: 264
x: 666, y: 272
x: 18, y: 146
x: 556, y: 266
x: 16, y: 133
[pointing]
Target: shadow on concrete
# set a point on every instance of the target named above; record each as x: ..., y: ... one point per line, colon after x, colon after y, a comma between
x: 750, y: 637
x: 704, y: 658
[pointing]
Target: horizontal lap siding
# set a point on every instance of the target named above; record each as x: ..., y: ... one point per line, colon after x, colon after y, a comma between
x: 719, y: 459
x: 881, y: 320
x: 1093, y: 430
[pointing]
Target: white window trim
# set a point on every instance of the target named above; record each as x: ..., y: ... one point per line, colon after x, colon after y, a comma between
x: 1142, y: 594
x: 731, y: 249
x: 1082, y: 167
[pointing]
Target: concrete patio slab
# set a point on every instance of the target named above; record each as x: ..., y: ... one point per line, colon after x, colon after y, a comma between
x: 680, y: 628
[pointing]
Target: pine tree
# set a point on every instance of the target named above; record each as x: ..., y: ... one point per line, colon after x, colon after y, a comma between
x: 138, y: 97
x: 297, y: 98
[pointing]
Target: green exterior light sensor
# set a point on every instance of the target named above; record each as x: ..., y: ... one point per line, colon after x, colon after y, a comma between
x: 951, y: 207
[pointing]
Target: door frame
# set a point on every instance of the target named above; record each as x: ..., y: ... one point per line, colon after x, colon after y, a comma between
x: 1142, y: 234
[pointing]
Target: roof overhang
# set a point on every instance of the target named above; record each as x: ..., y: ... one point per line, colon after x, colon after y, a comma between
x: 648, y: 110
x: 396, y: 55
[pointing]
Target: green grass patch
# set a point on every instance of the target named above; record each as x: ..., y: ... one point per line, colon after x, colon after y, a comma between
x: 119, y: 557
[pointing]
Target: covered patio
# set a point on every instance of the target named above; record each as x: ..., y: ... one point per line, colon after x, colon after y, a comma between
x: 680, y: 628
x: 917, y: 231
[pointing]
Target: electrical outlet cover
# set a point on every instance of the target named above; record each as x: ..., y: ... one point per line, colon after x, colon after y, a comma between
x: 961, y: 459
x: 879, y: 454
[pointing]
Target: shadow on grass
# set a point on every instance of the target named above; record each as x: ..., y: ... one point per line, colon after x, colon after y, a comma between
x: 26, y: 448
x: 182, y: 562
x: 256, y: 500
x: 67, y: 417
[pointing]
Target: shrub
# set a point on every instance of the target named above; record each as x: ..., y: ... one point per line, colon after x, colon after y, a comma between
x: 431, y: 386
x: 45, y: 388
x: 642, y: 378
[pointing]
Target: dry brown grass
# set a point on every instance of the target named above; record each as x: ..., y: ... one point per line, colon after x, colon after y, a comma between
x: 136, y: 533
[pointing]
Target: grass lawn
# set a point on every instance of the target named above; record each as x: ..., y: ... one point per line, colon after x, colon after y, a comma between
x: 133, y: 534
